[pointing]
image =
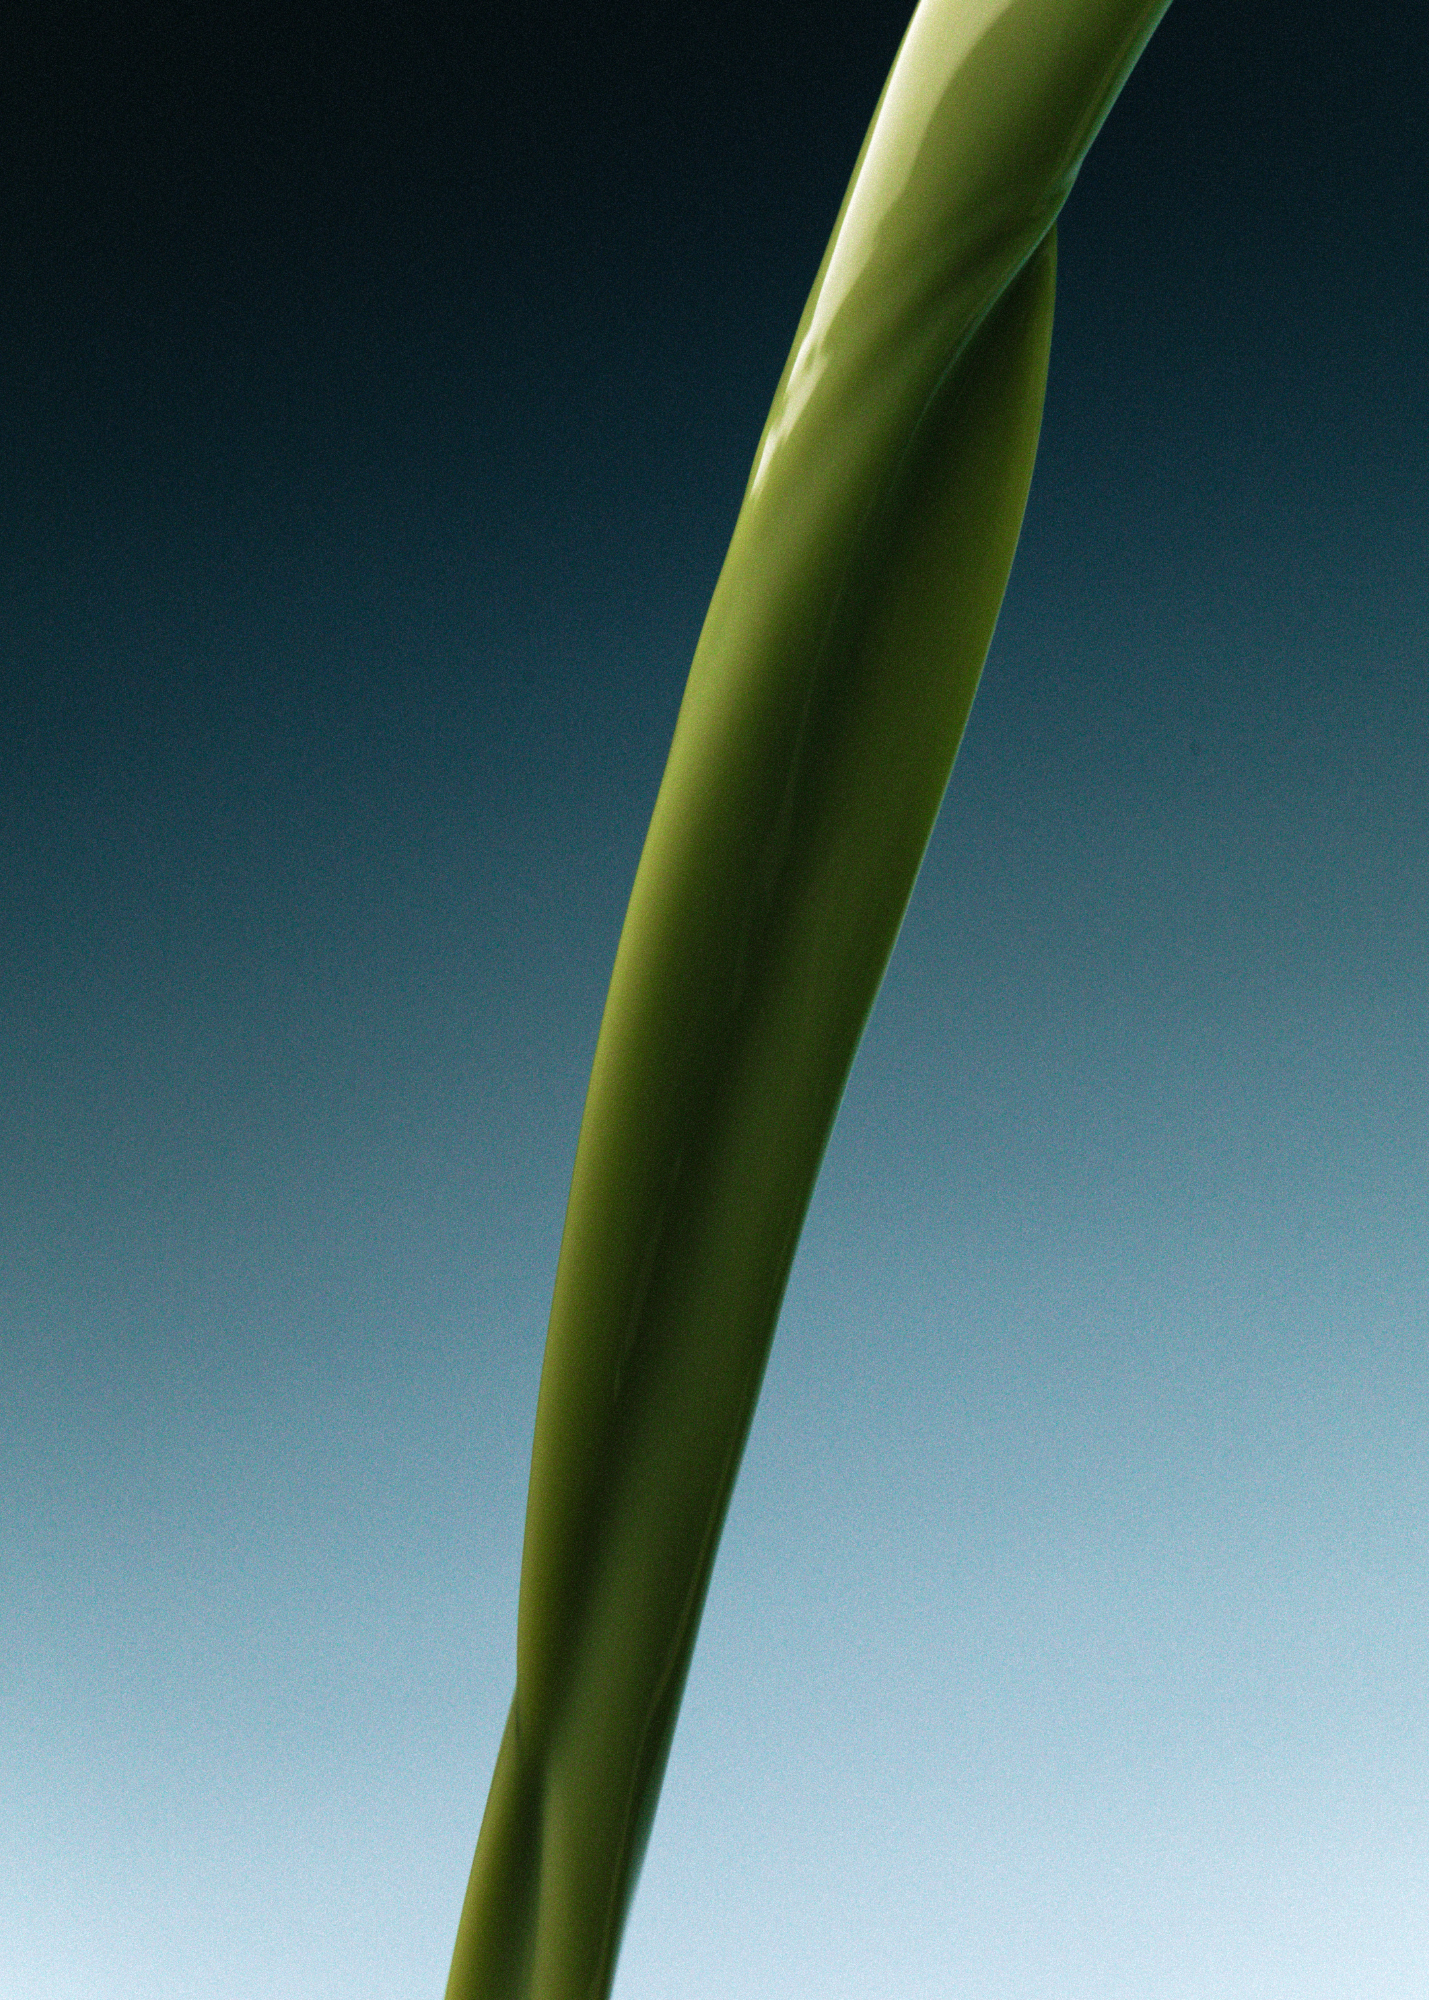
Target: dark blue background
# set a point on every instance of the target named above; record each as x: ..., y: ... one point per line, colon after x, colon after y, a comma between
x: 376, y: 395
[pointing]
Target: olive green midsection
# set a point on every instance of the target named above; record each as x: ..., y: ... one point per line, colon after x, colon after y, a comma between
x: 666, y: 1306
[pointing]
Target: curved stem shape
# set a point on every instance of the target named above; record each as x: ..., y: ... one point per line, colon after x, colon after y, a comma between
x: 828, y: 694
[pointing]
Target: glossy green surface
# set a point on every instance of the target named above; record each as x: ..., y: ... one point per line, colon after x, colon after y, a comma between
x: 829, y: 691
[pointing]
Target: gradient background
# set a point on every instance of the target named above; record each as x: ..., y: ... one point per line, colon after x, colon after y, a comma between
x: 378, y: 393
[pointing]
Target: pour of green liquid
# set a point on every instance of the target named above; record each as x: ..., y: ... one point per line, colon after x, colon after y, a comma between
x: 824, y: 707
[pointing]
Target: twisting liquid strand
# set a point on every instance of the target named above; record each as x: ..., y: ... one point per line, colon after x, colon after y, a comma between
x: 828, y: 694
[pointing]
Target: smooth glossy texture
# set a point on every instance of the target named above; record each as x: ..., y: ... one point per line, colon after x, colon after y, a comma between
x: 823, y: 711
